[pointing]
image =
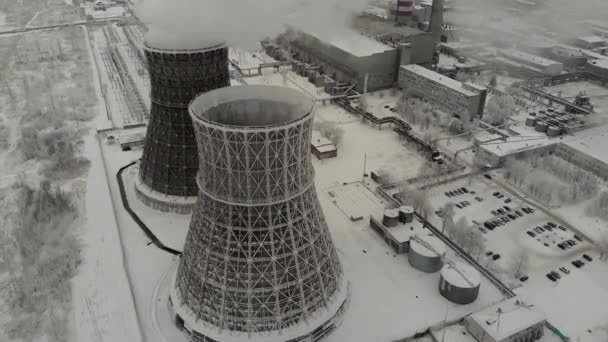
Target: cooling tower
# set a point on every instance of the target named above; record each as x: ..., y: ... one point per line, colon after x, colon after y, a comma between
x: 259, y: 263
x: 169, y: 163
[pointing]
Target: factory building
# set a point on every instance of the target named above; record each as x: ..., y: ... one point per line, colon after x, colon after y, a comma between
x: 590, y: 42
x: 509, y: 321
x: 397, y: 227
x: 459, y: 283
x: 598, y: 66
x: 540, y: 64
x: 358, y: 60
x: 451, y: 96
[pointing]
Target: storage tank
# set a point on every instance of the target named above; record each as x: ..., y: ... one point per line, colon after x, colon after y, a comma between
x: 406, y: 214
x: 391, y: 218
x: 426, y: 253
x: 541, y: 126
x: 530, y: 121
x: 554, y: 131
x: 459, y: 283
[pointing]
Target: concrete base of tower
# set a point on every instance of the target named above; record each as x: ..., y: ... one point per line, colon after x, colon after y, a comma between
x: 319, y: 325
x: 162, y: 202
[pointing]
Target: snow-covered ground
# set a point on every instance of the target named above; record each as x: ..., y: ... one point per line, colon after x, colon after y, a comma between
x: 568, y: 303
x: 248, y: 59
x: 289, y: 79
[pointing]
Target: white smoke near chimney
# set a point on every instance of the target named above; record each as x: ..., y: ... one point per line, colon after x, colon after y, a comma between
x: 200, y: 23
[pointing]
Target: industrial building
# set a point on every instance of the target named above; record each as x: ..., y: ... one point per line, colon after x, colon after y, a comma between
x: 598, y: 66
x: 509, y: 321
x: 459, y: 283
x: 450, y: 96
x: 248, y: 270
x: 397, y: 227
x: 590, y: 42
x: 540, y: 64
x: 321, y: 147
x: 169, y: 162
x: 352, y: 58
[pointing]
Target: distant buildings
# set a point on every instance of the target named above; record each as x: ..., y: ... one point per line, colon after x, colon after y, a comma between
x: 540, y: 64
x: 359, y: 60
x: 590, y: 42
x: 451, y: 96
x: 509, y: 321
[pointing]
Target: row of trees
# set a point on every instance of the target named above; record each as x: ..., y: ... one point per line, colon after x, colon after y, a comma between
x: 551, y: 180
x: 331, y: 131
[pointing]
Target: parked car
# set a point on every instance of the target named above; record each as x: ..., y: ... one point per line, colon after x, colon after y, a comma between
x: 458, y: 206
x: 489, y: 253
x: 496, y: 194
x: 523, y: 279
x: 552, y: 225
x: 518, y: 213
x: 494, y: 212
x: 556, y: 275
x: 587, y: 257
x: 447, y: 194
x: 565, y: 270
x: 507, y: 208
x: 578, y: 263
x: 561, y: 227
x: 467, y: 203
x: 495, y: 256
x: 465, y: 190
x: 530, y: 233
x: 561, y: 246
x: 488, y: 176
x: 479, y: 199
x: 512, y: 217
x: 488, y: 225
x: 439, y: 213
x: 578, y: 238
x: 501, y: 196
x: 508, y: 200
x: 551, y: 277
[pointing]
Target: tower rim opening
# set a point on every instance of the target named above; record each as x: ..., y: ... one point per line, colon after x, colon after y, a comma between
x: 252, y: 107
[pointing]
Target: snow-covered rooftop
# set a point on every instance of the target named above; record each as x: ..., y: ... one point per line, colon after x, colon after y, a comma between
x: 524, y: 56
x: 321, y: 143
x: 515, y: 145
x: 592, y: 39
x: 600, y: 63
x: 507, y: 318
x: 594, y: 144
x: 352, y: 42
x: 439, y: 78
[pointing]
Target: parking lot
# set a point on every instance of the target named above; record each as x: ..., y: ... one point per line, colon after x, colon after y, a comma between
x: 510, y: 227
x: 560, y: 267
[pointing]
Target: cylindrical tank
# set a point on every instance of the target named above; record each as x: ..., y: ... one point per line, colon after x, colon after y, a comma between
x: 391, y: 218
x: 553, y: 131
x: 530, y: 121
x: 406, y: 214
x: 426, y: 253
x: 459, y: 283
x: 541, y: 126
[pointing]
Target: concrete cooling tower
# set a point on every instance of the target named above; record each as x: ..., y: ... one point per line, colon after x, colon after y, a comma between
x: 169, y: 163
x: 259, y: 263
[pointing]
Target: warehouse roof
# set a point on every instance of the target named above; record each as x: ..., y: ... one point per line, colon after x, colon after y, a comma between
x: 505, y: 319
x: 352, y: 42
x: 592, y: 39
x: 439, y: 78
x: 523, y: 56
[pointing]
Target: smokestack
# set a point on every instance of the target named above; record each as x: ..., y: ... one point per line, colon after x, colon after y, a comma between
x: 437, y: 20
x: 405, y: 9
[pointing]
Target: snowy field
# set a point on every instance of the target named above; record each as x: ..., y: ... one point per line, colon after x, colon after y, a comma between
x: 568, y: 303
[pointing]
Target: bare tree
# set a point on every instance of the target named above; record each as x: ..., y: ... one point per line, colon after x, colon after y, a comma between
x: 603, y: 247
x: 447, y: 211
x: 520, y: 263
x: 330, y: 131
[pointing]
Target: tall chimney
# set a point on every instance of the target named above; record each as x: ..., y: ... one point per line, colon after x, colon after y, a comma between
x: 437, y: 20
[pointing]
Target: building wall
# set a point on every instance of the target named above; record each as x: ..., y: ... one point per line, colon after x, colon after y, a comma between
x: 449, y: 100
x: 529, y: 334
x: 583, y: 160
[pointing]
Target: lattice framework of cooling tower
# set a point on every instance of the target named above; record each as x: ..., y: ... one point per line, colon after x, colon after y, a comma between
x: 170, y: 160
x: 259, y: 257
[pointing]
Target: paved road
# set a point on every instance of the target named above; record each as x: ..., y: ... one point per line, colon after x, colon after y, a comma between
x: 51, y: 27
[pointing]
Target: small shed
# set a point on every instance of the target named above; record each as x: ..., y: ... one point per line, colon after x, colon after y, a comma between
x: 322, y: 147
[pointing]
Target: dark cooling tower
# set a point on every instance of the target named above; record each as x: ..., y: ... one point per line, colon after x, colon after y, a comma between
x: 259, y: 261
x: 170, y: 161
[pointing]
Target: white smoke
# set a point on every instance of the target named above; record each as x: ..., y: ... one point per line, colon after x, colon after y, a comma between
x: 198, y: 23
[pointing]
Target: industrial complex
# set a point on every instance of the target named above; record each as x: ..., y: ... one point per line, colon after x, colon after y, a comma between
x: 391, y: 170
